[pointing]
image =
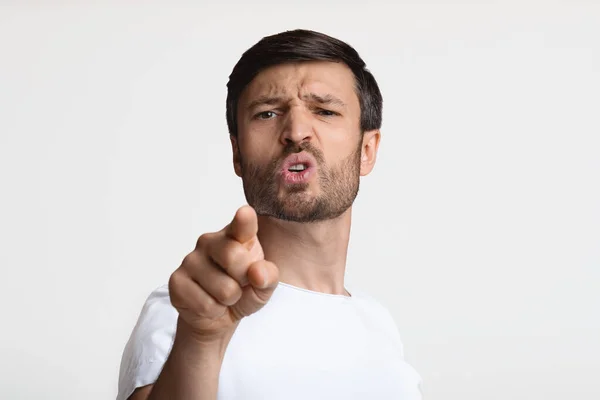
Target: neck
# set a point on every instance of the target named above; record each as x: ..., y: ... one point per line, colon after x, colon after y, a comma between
x: 309, y: 255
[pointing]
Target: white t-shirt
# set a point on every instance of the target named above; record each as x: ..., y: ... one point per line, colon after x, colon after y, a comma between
x: 300, y: 345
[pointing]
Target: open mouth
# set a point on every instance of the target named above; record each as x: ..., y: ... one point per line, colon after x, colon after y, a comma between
x: 298, y: 167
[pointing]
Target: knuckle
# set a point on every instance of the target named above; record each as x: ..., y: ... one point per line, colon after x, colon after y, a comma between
x: 175, y: 286
x: 175, y: 281
x: 203, y: 241
x: 192, y: 262
x: 205, y: 307
x: 188, y: 260
x: 232, y: 256
x: 209, y: 308
x: 228, y: 292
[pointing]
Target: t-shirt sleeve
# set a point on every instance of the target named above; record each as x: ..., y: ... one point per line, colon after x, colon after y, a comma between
x: 149, y: 344
x: 413, y: 385
x: 412, y: 381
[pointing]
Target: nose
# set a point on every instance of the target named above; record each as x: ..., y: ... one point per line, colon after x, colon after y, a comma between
x: 297, y: 127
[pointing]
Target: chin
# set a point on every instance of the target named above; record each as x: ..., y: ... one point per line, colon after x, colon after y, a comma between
x: 298, y: 203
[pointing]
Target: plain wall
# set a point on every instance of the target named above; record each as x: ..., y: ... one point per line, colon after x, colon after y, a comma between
x: 479, y: 227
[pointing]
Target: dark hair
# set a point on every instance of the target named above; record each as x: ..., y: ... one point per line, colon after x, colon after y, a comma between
x: 304, y: 45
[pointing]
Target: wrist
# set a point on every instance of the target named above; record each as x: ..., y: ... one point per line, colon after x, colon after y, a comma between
x: 212, y: 346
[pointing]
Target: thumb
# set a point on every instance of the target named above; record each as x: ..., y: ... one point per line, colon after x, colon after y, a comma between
x: 263, y: 277
x: 244, y: 226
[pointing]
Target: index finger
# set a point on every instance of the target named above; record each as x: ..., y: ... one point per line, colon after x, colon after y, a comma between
x: 244, y: 226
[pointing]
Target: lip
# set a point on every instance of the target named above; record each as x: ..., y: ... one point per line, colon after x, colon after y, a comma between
x: 297, y: 177
x: 298, y: 158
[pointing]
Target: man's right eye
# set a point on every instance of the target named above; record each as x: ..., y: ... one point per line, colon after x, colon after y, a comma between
x: 265, y: 115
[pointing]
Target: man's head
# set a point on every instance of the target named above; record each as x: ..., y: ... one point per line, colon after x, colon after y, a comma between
x: 304, y: 116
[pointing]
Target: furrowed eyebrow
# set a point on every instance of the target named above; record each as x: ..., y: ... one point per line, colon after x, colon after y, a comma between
x: 326, y: 99
x: 265, y: 100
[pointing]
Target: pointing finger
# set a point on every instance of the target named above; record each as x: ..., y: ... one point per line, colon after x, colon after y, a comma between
x: 244, y: 226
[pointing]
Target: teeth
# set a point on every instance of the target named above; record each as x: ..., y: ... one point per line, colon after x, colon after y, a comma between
x: 297, y: 167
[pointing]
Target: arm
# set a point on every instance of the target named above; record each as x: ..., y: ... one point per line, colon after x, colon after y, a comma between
x: 141, y: 393
x: 190, y: 372
x: 223, y: 280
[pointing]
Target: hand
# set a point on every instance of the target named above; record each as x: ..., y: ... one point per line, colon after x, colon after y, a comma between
x: 223, y: 280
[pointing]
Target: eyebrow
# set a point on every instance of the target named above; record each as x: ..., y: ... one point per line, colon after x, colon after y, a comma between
x: 325, y: 99
x: 265, y: 100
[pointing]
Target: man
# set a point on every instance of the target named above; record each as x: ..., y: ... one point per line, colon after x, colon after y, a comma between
x: 259, y: 309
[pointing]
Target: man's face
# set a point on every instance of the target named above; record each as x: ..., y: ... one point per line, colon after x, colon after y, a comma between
x: 299, y: 147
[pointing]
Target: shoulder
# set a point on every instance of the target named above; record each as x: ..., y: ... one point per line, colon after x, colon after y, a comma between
x: 369, y: 301
x: 385, y: 320
x: 149, y: 344
x: 157, y: 315
x: 379, y: 313
x: 158, y: 303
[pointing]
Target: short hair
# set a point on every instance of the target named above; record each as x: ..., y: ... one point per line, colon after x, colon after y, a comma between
x: 298, y: 46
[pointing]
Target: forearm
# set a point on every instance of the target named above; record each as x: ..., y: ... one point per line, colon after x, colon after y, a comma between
x: 191, y: 370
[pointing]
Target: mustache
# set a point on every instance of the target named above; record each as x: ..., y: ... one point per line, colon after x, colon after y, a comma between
x: 253, y: 170
x: 294, y: 148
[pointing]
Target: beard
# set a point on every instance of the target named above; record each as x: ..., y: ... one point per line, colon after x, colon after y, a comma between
x: 339, y: 187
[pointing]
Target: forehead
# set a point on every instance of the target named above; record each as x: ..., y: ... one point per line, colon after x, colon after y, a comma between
x: 296, y: 79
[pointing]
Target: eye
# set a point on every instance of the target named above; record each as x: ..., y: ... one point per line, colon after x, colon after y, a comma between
x: 327, y: 113
x: 265, y: 115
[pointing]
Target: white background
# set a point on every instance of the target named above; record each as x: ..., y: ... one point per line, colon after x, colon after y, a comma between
x: 479, y: 228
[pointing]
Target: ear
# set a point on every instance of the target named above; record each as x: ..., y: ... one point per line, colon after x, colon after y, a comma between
x: 370, y: 145
x: 237, y: 162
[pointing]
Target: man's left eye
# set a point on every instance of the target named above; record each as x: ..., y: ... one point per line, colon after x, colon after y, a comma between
x: 265, y: 115
x: 327, y: 113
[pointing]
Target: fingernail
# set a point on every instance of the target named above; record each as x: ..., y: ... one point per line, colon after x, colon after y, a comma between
x: 265, y: 283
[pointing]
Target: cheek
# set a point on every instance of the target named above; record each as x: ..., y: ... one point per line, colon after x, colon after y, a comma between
x: 339, y: 133
x: 342, y: 148
x: 257, y: 152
